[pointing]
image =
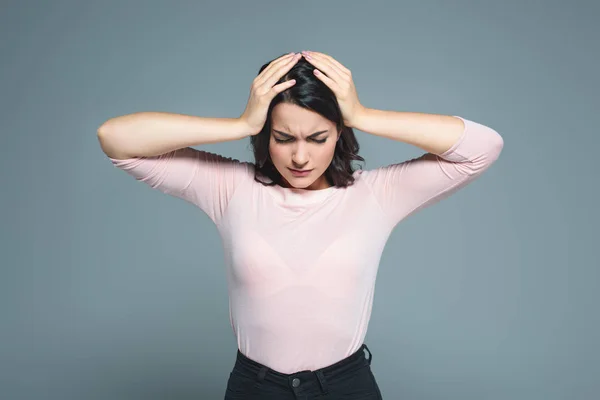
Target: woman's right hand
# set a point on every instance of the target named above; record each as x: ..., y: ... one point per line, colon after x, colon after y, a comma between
x: 262, y: 92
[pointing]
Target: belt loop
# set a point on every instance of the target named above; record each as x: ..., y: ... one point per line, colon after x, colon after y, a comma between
x: 370, y: 354
x: 322, y: 380
x: 262, y: 373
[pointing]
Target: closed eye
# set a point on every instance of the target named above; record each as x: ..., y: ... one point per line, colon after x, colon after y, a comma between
x: 289, y: 140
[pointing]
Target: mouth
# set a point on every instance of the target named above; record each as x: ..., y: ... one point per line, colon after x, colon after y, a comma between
x: 297, y: 172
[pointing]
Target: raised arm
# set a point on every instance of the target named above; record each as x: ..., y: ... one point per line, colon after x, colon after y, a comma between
x: 155, y: 147
x: 406, y: 187
x: 147, y: 134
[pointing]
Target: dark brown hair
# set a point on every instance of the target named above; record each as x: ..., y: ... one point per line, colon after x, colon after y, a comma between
x: 310, y: 93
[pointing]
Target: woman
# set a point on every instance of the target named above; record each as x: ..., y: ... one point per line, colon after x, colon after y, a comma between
x: 302, y: 230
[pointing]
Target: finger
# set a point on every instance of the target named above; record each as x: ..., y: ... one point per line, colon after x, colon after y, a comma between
x: 325, y: 66
x: 334, y: 65
x: 272, y: 66
x: 282, y: 86
x: 328, y: 81
x: 277, y: 73
x: 334, y: 62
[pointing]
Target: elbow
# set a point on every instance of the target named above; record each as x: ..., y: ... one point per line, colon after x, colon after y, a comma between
x: 106, y: 127
x: 118, y: 124
x: 109, y: 142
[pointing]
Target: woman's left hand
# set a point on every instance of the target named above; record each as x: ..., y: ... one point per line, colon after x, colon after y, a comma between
x: 339, y: 79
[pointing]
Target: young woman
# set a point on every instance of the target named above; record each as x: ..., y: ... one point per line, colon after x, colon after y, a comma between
x: 302, y: 230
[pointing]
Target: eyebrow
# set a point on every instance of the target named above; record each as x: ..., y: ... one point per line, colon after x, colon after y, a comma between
x: 311, y: 136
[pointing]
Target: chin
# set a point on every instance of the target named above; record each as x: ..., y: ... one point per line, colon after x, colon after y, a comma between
x: 298, y: 183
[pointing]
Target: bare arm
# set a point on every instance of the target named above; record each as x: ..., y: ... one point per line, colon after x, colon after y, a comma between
x: 147, y: 134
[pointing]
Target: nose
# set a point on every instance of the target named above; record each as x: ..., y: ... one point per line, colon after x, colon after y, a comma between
x: 300, y: 156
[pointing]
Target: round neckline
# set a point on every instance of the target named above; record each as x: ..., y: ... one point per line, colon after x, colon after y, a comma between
x: 300, y: 197
x: 290, y: 197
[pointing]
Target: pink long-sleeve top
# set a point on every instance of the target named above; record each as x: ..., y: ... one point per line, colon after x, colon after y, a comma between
x: 301, y: 264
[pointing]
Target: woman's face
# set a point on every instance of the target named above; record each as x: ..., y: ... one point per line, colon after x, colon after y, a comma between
x: 302, y: 140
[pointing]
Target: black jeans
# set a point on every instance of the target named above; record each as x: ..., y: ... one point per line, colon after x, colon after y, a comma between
x: 349, y: 379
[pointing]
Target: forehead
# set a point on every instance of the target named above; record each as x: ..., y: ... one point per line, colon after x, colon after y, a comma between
x: 297, y: 120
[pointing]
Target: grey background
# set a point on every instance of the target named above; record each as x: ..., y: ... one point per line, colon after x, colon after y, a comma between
x: 109, y: 290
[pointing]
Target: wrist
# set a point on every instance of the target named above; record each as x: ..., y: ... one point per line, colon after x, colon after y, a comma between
x: 358, y: 117
x: 244, y: 128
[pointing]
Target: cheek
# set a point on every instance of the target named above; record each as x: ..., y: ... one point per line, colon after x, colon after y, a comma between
x: 277, y: 154
x: 327, y: 154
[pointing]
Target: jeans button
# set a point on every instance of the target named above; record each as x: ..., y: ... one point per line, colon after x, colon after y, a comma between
x: 296, y: 382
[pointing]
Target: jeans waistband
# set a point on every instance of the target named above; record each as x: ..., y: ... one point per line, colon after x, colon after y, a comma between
x: 260, y: 372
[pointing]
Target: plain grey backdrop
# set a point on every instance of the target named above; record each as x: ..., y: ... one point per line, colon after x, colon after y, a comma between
x: 110, y: 290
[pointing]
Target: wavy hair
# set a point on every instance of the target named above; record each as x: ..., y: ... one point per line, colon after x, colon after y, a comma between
x: 310, y: 93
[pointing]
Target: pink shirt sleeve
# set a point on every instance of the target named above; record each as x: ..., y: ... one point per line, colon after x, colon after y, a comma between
x: 204, y: 179
x: 404, y: 188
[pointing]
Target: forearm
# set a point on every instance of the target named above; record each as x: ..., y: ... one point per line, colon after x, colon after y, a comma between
x: 431, y: 132
x: 147, y: 134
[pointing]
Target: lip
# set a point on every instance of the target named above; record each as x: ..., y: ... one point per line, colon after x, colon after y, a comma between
x: 300, y: 173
